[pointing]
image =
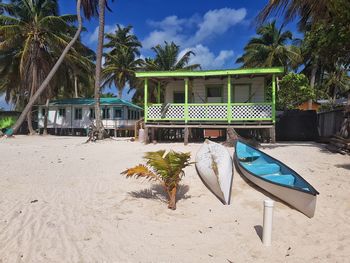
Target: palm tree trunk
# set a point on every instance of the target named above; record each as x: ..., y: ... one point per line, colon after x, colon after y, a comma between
x: 101, y: 133
x: 120, y: 93
x: 46, y: 82
x: 46, y: 116
x: 76, y: 87
x: 34, y: 83
x: 172, y: 198
x: 312, y: 84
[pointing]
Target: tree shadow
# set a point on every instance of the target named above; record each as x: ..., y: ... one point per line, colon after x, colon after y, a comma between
x: 157, y: 192
x: 345, y: 166
x: 259, y: 231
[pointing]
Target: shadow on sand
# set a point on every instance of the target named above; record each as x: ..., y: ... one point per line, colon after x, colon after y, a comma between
x: 345, y: 166
x: 259, y: 231
x: 157, y: 192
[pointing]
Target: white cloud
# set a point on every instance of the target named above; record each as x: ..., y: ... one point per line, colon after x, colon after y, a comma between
x: 93, y: 37
x: 217, y: 22
x: 207, y: 59
x: 193, y: 30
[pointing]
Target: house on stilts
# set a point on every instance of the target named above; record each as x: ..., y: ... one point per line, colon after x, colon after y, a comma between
x: 191, y: 100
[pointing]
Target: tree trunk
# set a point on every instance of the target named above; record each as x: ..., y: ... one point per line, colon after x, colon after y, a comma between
x: 46, y: 82
x: 76, y: 87
x: 46, y: 116
x: 99, y: 52
x: 30, y: 123
x: 312, y: 84
x: 172, y: 198
x: 120, y: 93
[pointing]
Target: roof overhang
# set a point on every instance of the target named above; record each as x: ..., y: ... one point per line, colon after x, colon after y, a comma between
x: 209, y: 73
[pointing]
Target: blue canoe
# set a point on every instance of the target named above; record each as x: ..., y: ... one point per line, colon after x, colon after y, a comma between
x: 276, y: 178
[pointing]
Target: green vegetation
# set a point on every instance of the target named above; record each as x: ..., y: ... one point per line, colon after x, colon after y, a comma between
x: 165, y: 168
x: 294, y: 90
x: 7, y: 122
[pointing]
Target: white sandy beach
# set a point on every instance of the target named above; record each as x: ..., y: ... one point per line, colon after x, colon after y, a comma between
x: 87, y: 212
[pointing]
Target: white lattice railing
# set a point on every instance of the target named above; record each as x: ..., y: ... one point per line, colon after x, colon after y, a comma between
x: 251, y: 111
x: 210, y: 111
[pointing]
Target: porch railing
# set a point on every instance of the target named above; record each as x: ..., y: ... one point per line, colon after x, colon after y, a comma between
x: 210, y: 112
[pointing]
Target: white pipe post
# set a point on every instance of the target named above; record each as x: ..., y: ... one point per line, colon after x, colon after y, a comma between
x: 267, y: 224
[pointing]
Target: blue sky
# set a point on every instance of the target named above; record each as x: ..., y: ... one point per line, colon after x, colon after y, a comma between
x: 216, y: 31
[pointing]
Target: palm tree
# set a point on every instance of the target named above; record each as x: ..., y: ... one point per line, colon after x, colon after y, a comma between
x: 308, y: 11
x: 165, y: 168
x: 120, y: 68
x: 36, y: 27
x: 38, y: 14
x: 121, y: 62
x: 167, y: 58
x: 123, y: 38
x: 271, y: 49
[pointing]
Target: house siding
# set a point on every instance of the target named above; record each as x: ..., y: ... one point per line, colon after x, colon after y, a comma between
x: 197, y: 89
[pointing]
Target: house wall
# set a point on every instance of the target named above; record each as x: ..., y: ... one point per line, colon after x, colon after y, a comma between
x: 197, y: 89
x: 69, y: 121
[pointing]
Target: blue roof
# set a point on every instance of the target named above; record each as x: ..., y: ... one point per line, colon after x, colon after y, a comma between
x: 91, y: 101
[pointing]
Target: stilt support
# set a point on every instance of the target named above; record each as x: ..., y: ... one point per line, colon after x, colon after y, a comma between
x: 146, y: 140
x: 273, y: 134
x: 186, y: 135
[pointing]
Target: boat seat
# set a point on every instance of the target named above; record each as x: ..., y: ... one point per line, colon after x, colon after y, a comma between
x: 286, y: 179
x: 263, y: 169
x: 247, y: 156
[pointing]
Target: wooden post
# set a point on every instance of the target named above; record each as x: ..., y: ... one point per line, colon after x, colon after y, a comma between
x: 186, y: 135
x: 273, y: 134
x: 186, y: 100
x: 273, y: 98
x: 145, y: 102
x: 146, y: 140
x: 152, y: 135
x: 229, y: 113
x: 158, y: 93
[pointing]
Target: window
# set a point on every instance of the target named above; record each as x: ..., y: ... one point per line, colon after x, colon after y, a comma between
x: 179, y: 97
x: 242, y: 93
x: 43, y: 111
x: 78, y: 113
x: 62, y: 112
x: 92, y: 113
x: 105, y: 113
x: 214, y: 93
x: 117, y: 113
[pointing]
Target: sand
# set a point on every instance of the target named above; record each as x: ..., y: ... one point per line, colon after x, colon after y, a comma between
x: 65, y: 201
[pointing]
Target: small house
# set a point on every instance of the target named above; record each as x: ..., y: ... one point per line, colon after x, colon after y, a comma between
x: 191, y: 100
x: 74, y: 116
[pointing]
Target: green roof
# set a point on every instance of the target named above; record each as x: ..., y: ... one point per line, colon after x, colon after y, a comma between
x: 206, y: 73
x: 91, y: 101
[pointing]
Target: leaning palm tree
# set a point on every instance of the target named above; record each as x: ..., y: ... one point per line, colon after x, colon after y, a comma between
x: 271, y: 49
x: 165, y: 168
x: 36, y: 27
x: 90, y: 10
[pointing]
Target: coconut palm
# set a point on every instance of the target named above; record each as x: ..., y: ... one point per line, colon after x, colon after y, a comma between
x: 165, y: 168
x: 306, y: 10
x: 167, y: 58
x: 120, y: 68
x: 271, y: 49
x: 121, y: 61
x: 123, y: 38
x: 39, y: 33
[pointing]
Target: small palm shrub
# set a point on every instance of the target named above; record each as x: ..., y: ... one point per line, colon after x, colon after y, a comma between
x: 165, y: 168
x: 7, y: 122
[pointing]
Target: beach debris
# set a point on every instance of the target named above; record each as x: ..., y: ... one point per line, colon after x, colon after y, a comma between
x: 200, y: 231
x: 34, y: 201
x: 229, y: 261
x: 210, y: 255
x: 167, y: 168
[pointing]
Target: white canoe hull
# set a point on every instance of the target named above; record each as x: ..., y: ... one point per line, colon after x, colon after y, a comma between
x: 214, y: 166
x: 304, y: 202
